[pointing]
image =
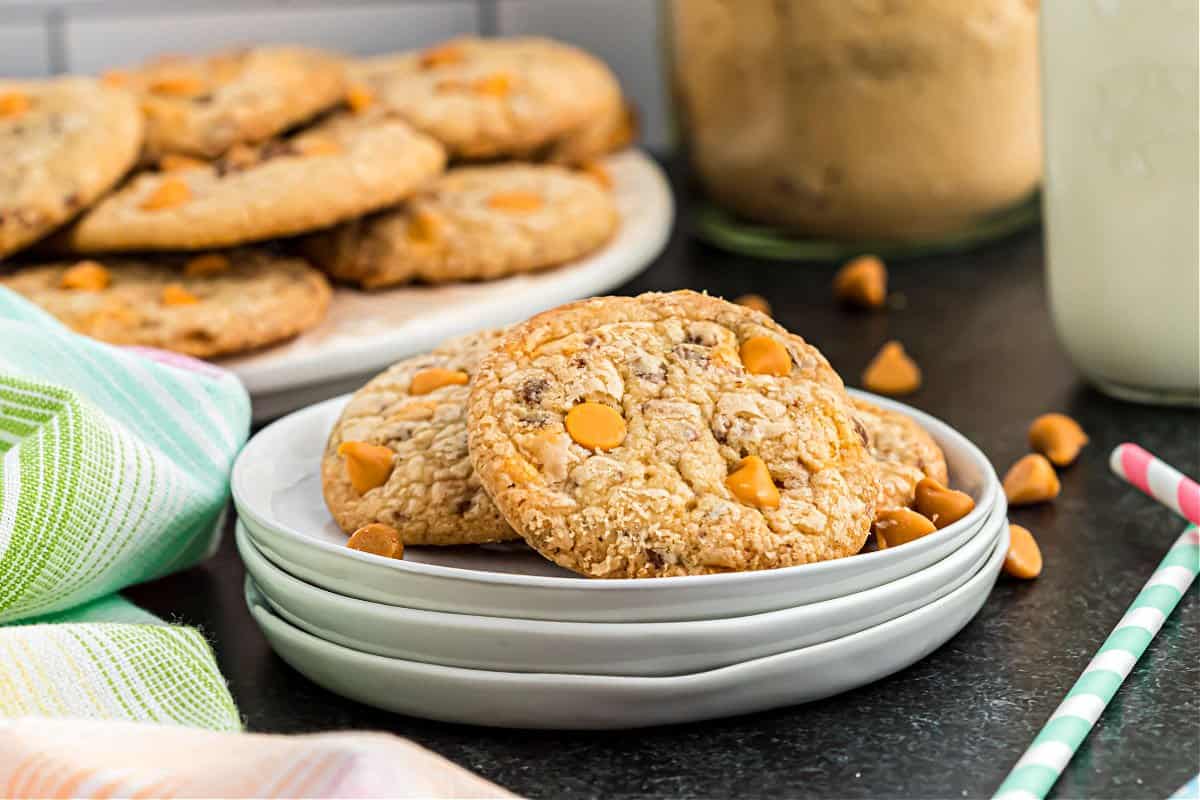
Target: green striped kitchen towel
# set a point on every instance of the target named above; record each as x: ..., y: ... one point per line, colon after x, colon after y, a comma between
x: 114, y: 469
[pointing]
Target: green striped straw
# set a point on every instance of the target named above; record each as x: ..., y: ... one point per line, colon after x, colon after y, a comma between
x: 1069, y: 725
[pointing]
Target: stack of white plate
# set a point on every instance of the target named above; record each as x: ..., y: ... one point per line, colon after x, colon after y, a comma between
x: 496, y: 635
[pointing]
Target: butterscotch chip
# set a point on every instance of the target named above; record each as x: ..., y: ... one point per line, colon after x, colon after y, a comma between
x: 751, y: 483
x: 361, y: 163
x: 1024, y: 558
x: 754, y: 301
x: 63, y: 143
x: 367, y: 465
x: 207, y: 264
x: 359, y: 98
x: 1058, y: 437
x: 494, y: 98
x: 168, y: 194
x: 765, y: 355
x: 473, y: 223
x: 862, y: 282
x: 432, y: 495
x: 904, y: 451
x: 87, y: 276
x: 259, y: 300
x: 669, y: 491
x: 174, y: 294
x: 941, y: 505
x: 1031, y: 480
x: 897, y: 526
x: 203, y: 105
x: 595, y: 426
x: 173, y: 162
x: 427, y: 380
x: 516, y: 201
x: 13, y: 103
x: 378, y: 539
x: 892, y: 372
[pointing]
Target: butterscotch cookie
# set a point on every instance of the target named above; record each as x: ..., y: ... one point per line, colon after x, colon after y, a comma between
x: 62, y: 144
x: 669, y: 434
x: 473, y: 223
x: 203, y: 105
x: 398, y: 453
x: 344, y: 167
x: 904, y: 451
x: 487, y: 98
x: 209, y: 305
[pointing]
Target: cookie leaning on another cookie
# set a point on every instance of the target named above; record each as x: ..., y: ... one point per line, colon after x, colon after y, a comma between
x: 904, y: 451
x: 489, y: 98
x: 669, y: 434
x: 472, y: 223
x: 63, y: 143
x: 411, y: 420
x: 346, y: 166
x: 209, y: 305
x: 203, y: 105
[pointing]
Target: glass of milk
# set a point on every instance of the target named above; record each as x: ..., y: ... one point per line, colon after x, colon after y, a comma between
x: 1121, y: 197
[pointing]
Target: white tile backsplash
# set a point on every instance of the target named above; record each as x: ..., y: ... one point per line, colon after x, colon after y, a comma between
x: 24, y: 49
x: 97, y: 41
x: 625, y: 33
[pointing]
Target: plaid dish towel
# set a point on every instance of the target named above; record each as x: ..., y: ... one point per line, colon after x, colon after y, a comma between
x: 114, y: 469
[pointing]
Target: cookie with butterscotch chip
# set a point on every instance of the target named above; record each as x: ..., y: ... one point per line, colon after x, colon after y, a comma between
x: 491, y: 98
x: 203, y: 105
x: 346, y: 166
x: 904, y: 450
x: 473, y: 223
x: 63, y: 143
x: 208, y: 305
x: 398, y: 453
x: 669, y: 434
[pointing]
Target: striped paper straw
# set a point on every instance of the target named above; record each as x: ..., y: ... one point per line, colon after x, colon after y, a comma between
x: 1069, y: 725
x: 1158, y: 479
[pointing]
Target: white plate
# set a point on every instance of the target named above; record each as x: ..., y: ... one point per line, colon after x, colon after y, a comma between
x: 602, y: 648
x: 277, y: 490
x: 367, y: 331
x: 584, y: 702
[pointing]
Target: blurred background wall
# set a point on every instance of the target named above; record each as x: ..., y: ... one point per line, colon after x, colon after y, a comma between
x: 42, y: 37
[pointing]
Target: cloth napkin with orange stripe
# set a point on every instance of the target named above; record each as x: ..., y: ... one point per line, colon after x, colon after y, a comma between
x: 114, y: 469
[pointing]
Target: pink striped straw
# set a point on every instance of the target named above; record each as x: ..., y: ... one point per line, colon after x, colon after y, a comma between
x: 1158, y: 479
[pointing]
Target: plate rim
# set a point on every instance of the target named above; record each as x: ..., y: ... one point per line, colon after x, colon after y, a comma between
x: 814, y: 570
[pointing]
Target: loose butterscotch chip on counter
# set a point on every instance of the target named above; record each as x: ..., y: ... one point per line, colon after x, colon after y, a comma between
x: 941, y: 505
x: 367, y: 465
x: 1058, y: 437
x: 378, y: 539
x: 171, y: 193
x: 897, y: 526
x: 428, y: 380
x: 751, y: 483
x: 1031, y: 480
x: 174, y: 294
x: 862, y: 283
x: 1024, y: 558
x: 763, y: 355
x: 595, y: 426
x: 754, y: 301
x: 892, y: 371
x: 86, y: 276
x: 206, y: 265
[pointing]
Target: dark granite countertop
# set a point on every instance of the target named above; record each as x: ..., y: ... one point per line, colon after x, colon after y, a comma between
x: 951, y: 725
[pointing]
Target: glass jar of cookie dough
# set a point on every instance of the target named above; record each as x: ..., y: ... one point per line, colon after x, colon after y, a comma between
x: 819, y: 128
